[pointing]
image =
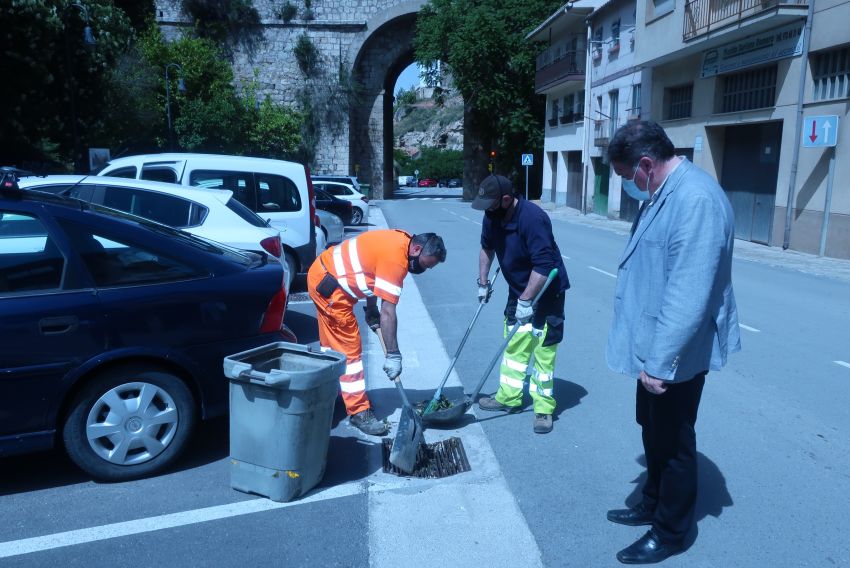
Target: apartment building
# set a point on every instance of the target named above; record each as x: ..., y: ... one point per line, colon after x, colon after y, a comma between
x: 746, y: 94
x: 560, y: 76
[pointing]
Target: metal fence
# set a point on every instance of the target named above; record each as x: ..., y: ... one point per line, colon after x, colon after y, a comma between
x: 703, y: 16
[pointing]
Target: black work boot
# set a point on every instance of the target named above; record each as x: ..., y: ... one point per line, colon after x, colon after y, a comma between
x: 366, y: 422
x: 490, y: 403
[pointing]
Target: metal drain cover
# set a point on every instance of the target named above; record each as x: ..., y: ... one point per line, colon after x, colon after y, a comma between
x: 440, y: 459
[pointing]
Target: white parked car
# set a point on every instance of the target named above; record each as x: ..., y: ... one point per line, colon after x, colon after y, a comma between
x: 213, y: 214
x: 276, y: 190
x: 346, y: 191
x: 331, y: 226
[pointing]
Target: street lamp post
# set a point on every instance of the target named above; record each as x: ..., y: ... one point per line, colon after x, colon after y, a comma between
x: 181, y: 86
x: 88, y: 40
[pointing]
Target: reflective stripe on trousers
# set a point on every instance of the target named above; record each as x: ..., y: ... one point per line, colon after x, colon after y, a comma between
x: 512, y: 372
x: 339, y: 331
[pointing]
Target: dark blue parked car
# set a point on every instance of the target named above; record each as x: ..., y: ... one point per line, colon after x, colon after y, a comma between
x: 113, y: 330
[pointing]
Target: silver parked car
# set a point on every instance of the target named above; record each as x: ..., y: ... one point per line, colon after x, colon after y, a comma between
x: 332, y: 227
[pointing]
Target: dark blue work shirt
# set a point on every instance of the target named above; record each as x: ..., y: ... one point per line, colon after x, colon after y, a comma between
x: 524, y: 244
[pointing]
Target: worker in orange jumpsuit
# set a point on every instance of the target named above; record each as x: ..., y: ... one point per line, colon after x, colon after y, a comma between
x: 370, y: 266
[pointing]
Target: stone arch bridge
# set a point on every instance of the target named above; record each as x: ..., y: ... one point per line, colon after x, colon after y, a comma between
x: 362, y: 43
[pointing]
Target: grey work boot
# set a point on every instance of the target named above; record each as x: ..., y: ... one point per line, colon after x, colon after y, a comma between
x: 490, y: 403
x: 366, y: 422
x: 542, y: 423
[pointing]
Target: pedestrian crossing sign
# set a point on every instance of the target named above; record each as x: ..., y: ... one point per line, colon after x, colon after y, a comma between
x: 528, y: 159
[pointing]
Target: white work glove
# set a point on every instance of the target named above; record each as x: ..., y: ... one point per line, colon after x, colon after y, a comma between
x: 392, y: 365
x: 484, y: 291
x: 524, y: 311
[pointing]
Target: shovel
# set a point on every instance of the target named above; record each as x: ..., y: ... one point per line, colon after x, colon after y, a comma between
x: 432, y: 404
x: 459, y: 407
x: 408, y: 436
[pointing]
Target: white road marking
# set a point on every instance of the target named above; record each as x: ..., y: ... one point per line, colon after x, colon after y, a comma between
x: 565, y: 257
x: 464, y: 218
x: 602, y: 271
x: 114, y: 530
x: 748, y: 328
x: 438, y: 199
x: 842, y: 363
x: 455, y: 214
x: 477, y: 223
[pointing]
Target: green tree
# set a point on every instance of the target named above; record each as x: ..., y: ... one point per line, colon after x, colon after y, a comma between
x: 502, y: 108
x: 439, y: 164
x: 47, y: 66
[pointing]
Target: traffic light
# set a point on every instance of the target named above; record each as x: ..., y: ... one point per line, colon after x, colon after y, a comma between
x: 491, y: 166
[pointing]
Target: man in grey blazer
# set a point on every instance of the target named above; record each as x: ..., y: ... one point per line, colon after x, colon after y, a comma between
x: 674, y: 320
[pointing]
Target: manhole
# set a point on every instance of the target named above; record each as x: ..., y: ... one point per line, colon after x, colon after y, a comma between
x: 440, y: 459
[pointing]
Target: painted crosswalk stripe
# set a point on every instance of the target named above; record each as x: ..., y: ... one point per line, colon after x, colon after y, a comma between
x: 565, y: 257
x: 602, y: 271
x: 842, y: 363
x: 748, y: 328
x: 465, y: 218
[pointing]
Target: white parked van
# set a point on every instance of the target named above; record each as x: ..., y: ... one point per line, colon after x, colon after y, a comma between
x: 276, y: 190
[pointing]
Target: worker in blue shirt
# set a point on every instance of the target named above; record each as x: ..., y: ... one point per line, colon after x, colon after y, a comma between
x: 519, y: 234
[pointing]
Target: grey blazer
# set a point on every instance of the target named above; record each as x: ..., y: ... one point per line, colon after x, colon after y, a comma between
x: 674, y: 308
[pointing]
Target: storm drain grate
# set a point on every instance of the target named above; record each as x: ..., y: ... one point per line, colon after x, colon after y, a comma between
x: 440, y: 459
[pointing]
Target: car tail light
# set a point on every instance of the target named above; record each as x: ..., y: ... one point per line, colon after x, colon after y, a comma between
x: 272, y: 246
x: 365, y: 199
x: 273, y: 318
x: 311, y: 195
x: 316, y: 220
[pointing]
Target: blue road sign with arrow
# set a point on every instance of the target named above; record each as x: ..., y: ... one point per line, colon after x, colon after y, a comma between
x: 820, y: 131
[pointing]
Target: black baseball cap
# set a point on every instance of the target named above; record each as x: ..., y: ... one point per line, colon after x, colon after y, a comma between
x: 491, y: 190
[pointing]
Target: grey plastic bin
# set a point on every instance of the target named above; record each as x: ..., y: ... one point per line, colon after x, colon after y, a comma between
x: 281, y: 407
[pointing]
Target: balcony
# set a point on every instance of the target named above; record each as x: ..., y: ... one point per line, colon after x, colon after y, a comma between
x: 570, y: 67
x: 601, y: 132
x: 705, y: 16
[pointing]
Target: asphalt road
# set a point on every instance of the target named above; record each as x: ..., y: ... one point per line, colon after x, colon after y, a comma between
x: 772, y: 436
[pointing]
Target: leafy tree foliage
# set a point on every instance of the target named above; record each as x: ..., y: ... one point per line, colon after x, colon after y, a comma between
x: 45, y: 62
x: 118, y: 90
x: 483, y: 43
x: 435, y: 163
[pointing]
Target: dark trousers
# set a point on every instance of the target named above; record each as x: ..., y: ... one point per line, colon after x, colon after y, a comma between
x: 670, y: 447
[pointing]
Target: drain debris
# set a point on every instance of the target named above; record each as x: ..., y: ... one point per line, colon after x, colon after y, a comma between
x: 440, y: 459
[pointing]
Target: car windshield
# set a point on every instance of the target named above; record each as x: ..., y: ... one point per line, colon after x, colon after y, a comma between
x: 243, y: 257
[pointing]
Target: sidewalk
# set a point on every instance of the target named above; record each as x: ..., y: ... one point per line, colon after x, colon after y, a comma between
x: 837, y: 269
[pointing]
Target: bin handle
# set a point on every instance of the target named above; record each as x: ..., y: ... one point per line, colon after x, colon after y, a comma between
x: 275, y: 377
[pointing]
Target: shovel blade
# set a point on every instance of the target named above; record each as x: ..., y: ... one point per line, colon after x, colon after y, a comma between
x: 407, y: 440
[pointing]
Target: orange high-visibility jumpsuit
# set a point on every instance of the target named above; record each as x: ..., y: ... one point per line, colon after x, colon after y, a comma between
x: 371, y: 264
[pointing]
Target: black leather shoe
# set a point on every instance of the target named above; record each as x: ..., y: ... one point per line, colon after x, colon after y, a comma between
x: 636, y: 516
x: 648, y: 549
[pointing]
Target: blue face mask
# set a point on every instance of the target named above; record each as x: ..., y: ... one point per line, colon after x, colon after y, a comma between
x: 631, y: 188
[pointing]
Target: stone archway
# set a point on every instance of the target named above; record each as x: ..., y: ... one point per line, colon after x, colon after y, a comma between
x: 380, y: 59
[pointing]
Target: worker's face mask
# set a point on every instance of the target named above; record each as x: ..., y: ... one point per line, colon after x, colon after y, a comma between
x: 497, y: 214
x: 632, y: 189
x: 413, y: 265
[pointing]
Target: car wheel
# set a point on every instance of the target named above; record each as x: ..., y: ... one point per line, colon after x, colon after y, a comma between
x: 293, y: 269
x: 129, y: 422
x: 356, y: 216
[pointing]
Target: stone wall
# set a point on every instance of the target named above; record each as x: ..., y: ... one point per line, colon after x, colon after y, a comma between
x: 370, y: 39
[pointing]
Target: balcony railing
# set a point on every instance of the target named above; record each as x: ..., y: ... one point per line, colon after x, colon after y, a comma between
x: 601, y: 132
x: 703, y: 16
x: 570, y: 67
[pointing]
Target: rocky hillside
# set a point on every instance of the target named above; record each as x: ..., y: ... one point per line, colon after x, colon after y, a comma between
x: 424, y: 123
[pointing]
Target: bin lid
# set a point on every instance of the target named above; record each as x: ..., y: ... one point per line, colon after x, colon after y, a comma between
x: 285, y: 365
